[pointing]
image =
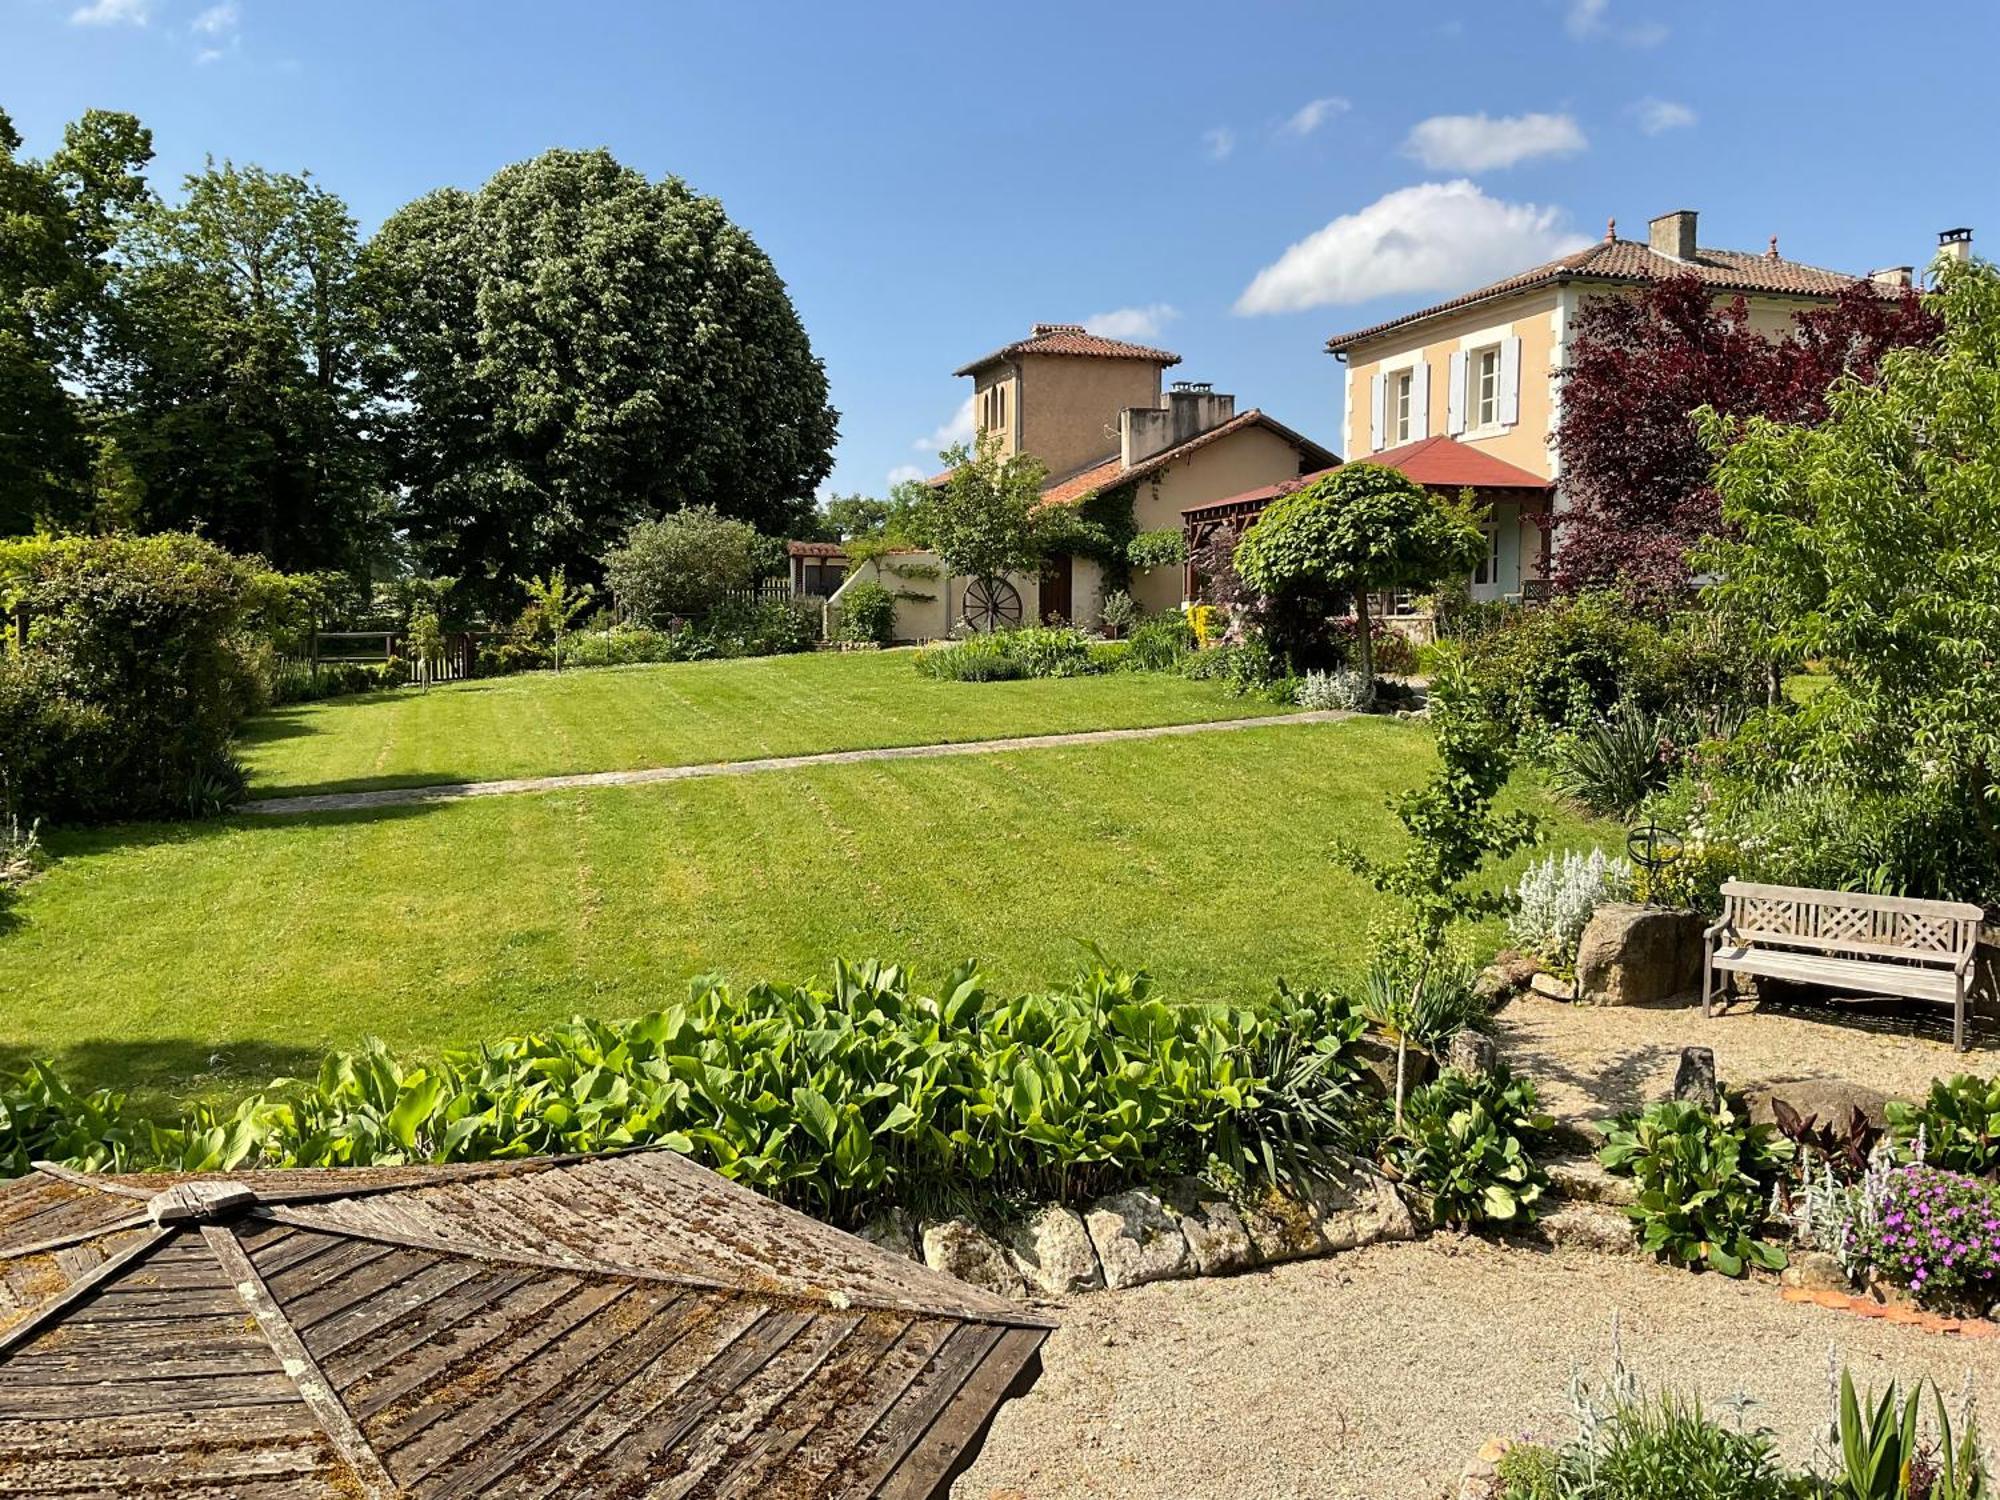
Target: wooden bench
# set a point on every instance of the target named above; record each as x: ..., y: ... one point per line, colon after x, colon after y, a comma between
x: 1843, y: 940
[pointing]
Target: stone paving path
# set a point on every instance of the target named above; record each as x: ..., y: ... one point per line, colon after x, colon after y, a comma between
x: 455, y: 790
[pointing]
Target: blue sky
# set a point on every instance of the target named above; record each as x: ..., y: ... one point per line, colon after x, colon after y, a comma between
x: 930, y: 179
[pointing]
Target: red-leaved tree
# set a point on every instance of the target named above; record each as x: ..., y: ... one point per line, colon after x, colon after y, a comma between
x: 1635, y: 474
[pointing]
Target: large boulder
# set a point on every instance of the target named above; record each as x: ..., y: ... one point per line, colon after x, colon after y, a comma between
x: 1214, y: 1230
x: 1137, y: 1239
x: 958, y: 1247
x: 1829, y: 1100
x: 1053, y: 1251
x: 1638, y: 955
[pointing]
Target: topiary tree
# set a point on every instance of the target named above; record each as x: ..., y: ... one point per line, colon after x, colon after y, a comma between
x: 1360, y: 528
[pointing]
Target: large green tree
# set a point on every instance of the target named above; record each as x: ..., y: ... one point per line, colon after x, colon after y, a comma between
x: 1871, y: 542
x: 1360, y: 528
x: 240, y: 396
x: 573, y: 349
x: 60, y: 221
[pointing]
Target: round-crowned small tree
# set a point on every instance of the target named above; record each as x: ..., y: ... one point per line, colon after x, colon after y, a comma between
x: 1361, y: 527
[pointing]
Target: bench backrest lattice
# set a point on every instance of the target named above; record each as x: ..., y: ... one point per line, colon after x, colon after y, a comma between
x: 1889, y: 927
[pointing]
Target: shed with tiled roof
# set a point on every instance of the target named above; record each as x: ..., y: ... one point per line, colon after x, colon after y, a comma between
x: 626, y: 1324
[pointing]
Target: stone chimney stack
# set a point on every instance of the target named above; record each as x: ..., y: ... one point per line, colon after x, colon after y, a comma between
x: 1186, y: 411
x: 1956, y: 245
x: 1672, y: 234
x: 1894, y: 276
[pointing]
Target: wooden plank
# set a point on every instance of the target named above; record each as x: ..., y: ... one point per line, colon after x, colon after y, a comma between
x: 361, y: 1284
x: 81, y: 1289
x: 1833, y: 973
x: 318, y: 1396
x: 163, y: 1397
x: 323, y: 1270
x: 222, y: 1427
x: 903, y: 1426
x: 114, y: 1304
x: 64, y: 1240
x: 300, y: 1462
x: 1862, y: 899
x: 393, y: 1307
x: 463, y: 1316
x: 953, y: 1440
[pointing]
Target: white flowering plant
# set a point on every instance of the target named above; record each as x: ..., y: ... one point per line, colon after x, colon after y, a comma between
x: 1555, y: 899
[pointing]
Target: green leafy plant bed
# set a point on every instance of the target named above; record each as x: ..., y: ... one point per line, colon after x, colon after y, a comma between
x: 836, y: 1096
x: 1704, y: 1179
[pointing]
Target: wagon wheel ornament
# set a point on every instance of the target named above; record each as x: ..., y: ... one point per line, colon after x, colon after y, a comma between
x: 991, y: 604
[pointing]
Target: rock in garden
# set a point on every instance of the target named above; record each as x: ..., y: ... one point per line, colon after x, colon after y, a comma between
x: 1551, y: 987
x: 958, y: 1247
x: 1053, y: 1251
x: 1472, y: 1053
x: 1377, y: 1057
x: 1831, y: 1101
x: 1816, y: 1271
x: 1694, y: 1079
x: 1510, y: 972
x: 1281, y: 1228
x: 1214, y: 1230
x: 1360, y: 1208
x: 1137, y: 1239
x: 1638, y: 955
x: 894, y: 1230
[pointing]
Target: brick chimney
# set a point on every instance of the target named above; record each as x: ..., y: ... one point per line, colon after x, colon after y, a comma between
x: 1956, y: 244
x: 1894, y: 276
x: 1672, y: 234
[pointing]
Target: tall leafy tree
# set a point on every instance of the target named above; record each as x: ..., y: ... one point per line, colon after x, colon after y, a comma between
x: 1636, y: 473
x: 60, y: 221
x: 1871, y: 542
x: 981, y: 521
x: 573, y: 349
x: 241, y: 404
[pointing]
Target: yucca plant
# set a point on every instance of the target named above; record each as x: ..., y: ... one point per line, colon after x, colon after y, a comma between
x: 1885, y: 1455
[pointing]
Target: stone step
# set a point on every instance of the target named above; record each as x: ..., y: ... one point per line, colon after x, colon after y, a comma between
x: 1579, y: 1179
x: 1587, y: 1226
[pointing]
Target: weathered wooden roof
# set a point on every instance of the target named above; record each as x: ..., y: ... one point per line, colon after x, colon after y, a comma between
x: 621, y: 1326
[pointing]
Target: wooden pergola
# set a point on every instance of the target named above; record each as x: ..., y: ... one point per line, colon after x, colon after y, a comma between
x: 624, y: 1325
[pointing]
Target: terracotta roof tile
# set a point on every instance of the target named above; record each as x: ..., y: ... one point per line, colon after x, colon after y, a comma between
x: 815, y: 549
x: 1437, y: 462
x: 1070, y: 338
x: 1631, y: 262
x: 1073, y: 488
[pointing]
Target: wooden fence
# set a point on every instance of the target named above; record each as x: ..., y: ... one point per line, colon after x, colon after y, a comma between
x: 373, y: 647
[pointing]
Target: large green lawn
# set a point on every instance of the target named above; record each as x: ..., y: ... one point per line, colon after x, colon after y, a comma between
x: 629, y: 718
x: 205, y: 958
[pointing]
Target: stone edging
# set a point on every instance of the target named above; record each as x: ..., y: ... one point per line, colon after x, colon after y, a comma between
x: 1890, y: 1312
x: 1183, y: 1228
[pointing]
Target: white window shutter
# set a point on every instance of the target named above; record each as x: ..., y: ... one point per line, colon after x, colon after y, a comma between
x: 1510, y: 382
x: 1379, y: 409
x: 1454, y: 396
x: 1420, y: 401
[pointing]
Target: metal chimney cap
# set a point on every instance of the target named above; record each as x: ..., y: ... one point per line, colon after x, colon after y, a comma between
x: 1954, y: 236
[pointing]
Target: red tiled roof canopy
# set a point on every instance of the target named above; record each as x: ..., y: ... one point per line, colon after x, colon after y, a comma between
x: 1631, y: 262
x: 1075, y: 487
x: 1437, y: 463
x: 1070, y: 338
x: 815, y: 549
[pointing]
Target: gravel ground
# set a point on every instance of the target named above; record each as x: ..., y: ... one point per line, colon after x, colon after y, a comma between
x: 1376, y: 1374
x: 1593, y: 1060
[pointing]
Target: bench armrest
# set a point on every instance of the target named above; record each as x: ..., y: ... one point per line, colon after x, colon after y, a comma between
x: 1715, y: 930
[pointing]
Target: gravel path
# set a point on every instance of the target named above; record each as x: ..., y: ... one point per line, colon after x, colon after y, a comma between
x: 1592, y: 1060
x: 1378, y: 1373
x: 451, y: 791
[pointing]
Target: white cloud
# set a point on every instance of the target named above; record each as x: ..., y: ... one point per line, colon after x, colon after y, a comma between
x: 112, y: 13
x: 1216, y: 144
x: 217, y: 20
x: 1657, y: 116
x: 903, y: 473
x: 1436, y: 236
x: 1132, y: 322
x: 1314, y: 113
x: 953, y: 432
x: 1479, y: 143
x: 1589, y: 20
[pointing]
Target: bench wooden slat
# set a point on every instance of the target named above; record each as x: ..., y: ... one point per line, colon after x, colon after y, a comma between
x: 1845, y: 940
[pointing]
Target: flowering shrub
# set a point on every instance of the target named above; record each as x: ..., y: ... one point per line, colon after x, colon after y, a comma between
x: 1556, y: 897
x: 1206, y: 623
x: 1933, y: 1231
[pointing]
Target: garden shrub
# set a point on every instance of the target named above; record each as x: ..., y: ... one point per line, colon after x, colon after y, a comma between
x: 1110, y: 656
x: 1668, y: 1448
x: 43, y: 1119
x: 774, y: 627
x: 1933, y: 1231
x: 1050, y: 651
x: 836, y: 1096
x: 1159, y: 643
x: 977, y: 658
x: 1555, y: 899
x: 1118, y: 613
x: 1466, y: 1148
x: 867, y: 614
x: 1957, y: 1127
x: 301, y: 682
x: 1341, y: 689
x: 686, y: 563
x: 1166, y: 548
x: 1704, y: 1182
x: 133, y: 682
x: 1614, y: 763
